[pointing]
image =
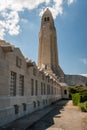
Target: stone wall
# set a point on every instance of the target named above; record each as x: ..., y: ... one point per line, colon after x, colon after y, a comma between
x: 46, y: 89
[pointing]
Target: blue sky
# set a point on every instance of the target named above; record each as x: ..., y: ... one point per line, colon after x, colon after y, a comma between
x: 20, y: 24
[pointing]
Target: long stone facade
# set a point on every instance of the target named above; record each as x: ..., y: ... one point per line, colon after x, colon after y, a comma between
x: 24, y: 87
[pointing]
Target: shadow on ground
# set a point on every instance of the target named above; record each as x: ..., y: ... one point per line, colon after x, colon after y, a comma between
x: 48, y: 120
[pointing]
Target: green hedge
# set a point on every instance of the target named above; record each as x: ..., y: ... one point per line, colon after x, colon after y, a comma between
x: 83, y: 106
x: 76, y: 98
x: 79, y: 96
x: 83, y: 95
x: 77, y: 89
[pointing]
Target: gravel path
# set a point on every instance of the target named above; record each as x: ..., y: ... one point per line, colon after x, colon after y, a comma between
x: 67, y: 118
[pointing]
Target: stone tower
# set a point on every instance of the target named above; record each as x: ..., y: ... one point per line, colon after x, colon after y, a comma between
x: 48, y: 52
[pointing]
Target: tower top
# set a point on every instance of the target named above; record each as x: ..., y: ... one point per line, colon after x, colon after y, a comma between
x: 47, y: 17
x: 47, y: 12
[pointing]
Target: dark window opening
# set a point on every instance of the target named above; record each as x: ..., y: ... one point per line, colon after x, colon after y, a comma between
x: 32, y: 87
x: 48, y: 18
x: 41, y: 88
x: 21, y: 85
x: 13, y: 84
x: 18, y: 62
x: 34, y: 72
x: 16, y: 109
x: 46, y: 67
x: 24, y: 106
x: 34, y: 104
x: 36, y: 87
x: 38, y: 103
x: 65, y: 91
x: 45, y: 19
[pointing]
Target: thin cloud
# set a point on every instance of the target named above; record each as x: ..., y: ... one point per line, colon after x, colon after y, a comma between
x: 56, y: 8
x: 24, y: 20
x: 70, y: 1
x: 84, y: 61
x: 9, y: 12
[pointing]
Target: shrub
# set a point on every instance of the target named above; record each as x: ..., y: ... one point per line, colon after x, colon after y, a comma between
x: 83, y: 95
x: 79, y: 89
x: 76, y: 98
x: 83, y: 106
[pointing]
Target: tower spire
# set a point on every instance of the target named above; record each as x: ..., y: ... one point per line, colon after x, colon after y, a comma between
x: 48, y: 53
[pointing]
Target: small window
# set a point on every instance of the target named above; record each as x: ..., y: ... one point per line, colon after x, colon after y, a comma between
x: 38, y: 102
x: 44, y: 89
x: 34, y: 72
x: 34, y: 104
x: 48, y: 89
x: 16, y: 107
x: 36, y: 87
x: 24, y: 106
x: 48, y: 18
x: 41, y: 88
x: 45, y: 19
x: 18, y: 62
x: 45, y: 67
x: 65, y: 91
x: 13, y: 84
x: 21, y: 85
x: 32, y: 87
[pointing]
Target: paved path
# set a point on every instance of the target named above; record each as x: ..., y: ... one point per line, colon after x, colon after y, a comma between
x: 70, y: 118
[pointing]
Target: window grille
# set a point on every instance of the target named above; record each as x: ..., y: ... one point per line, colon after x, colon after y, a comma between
x: 13, y: 84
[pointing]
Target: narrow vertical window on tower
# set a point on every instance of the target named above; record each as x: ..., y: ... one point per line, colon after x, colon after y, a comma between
x: 45, y: 19
x: 48, y: 18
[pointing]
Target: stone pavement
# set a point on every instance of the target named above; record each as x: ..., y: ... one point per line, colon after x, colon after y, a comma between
x: 71, y: 118
x: 68, y: 118
x: 30, y: 119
